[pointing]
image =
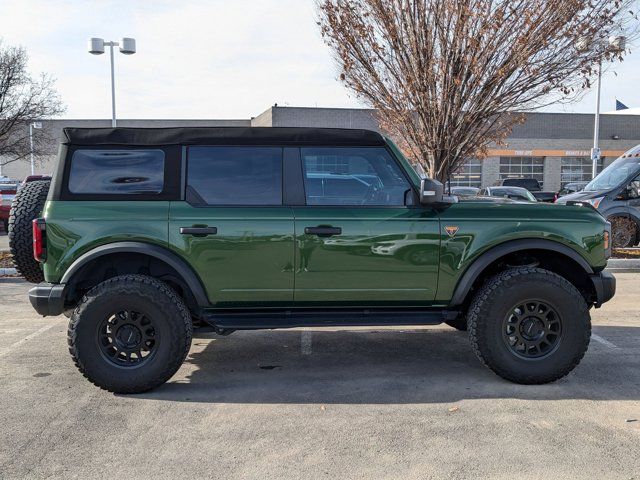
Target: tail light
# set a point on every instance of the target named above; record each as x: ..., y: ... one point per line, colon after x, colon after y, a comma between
x: 607, y: 240
x: 39, y: 239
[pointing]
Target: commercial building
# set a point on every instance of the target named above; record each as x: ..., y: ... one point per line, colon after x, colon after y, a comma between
x: 554, y: 148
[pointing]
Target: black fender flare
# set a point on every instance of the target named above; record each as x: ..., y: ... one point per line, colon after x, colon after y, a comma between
x: 488, y: 257
x: 178, y: 264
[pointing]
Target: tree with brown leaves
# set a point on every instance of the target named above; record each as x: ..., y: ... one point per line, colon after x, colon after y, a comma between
x: 449, y: 78
x: 23, y: 99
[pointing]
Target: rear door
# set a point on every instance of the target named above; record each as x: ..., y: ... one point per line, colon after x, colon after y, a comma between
x: 360, y: 238
x: 233, y: 227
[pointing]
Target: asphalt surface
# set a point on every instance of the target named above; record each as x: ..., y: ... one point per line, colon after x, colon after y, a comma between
x: 359, y: 403
x: 4, y: 241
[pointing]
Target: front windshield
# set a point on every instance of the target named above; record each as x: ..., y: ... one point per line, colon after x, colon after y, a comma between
x: 614, y: 174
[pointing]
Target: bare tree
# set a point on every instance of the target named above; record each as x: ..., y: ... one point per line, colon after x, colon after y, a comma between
x: 449, y: 78
x: 23, y: 99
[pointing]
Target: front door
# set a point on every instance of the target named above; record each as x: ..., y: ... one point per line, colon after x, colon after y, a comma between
x: 360, y: 241
x: 233, y: 228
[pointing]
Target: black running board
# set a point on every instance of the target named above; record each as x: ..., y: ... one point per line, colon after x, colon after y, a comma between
x: 251, y: 319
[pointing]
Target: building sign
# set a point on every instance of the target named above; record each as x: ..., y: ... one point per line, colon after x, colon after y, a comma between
x: 577, y: 153
x: 551, y: 153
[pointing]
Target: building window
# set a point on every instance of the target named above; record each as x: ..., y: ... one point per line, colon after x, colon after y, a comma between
x: 522, y: 167
x: 468, y: 175
x: 577, y: 169
x: 327, y: 164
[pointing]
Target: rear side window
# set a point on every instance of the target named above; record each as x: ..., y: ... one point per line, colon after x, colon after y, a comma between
x: 234, y: 175
x: 117, y: 172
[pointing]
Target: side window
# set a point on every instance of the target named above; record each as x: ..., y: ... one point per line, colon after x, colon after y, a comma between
x: 116, y: 172
x: 634, y: 188
x: 234, y: 175
x: 366, y: 176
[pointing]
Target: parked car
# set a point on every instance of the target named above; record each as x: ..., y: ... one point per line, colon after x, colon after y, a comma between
x: 533, y: 186
x: 514, y: 193
x: 572, y: 187
x: 7, y: 194
x: 145, y: 231
x: 465, y: 191
x: 615, y: 192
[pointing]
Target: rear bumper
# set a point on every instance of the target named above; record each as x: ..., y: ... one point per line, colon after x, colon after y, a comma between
x: 47, y: 299
x: 605, y: 285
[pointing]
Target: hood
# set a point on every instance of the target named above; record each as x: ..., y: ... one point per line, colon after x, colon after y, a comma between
x: 487, y: 199
x: 583, y: 195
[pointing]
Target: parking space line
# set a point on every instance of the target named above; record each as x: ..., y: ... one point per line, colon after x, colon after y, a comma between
x: 603, y: 341
x: 14, y: 346
x: 305, y: 343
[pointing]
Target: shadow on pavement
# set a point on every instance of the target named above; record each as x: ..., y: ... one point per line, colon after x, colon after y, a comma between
x: 384, y: 367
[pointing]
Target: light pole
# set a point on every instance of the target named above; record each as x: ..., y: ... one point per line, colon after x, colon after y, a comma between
x: 96, y: 47
x: 37, y: 126
x: 614, y: 44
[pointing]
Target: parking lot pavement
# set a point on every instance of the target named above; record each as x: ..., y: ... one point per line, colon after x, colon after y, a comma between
x: 4, y: 241
x: 358, y: 403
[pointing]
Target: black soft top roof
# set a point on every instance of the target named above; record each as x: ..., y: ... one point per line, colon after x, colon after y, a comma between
x: 222, y: 136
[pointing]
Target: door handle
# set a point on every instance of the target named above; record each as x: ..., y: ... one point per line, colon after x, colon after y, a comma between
x: 198, y: 231
x: 323, y: 231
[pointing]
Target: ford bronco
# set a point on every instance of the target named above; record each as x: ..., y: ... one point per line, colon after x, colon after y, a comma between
x: 146, y: 232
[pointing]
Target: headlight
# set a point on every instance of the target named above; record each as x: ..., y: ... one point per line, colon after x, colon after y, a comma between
x: 607, y: 241
x: 595, y: 202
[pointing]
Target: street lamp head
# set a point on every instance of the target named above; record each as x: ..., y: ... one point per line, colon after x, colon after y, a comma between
x: 128, y: 46
x: 95, y: 46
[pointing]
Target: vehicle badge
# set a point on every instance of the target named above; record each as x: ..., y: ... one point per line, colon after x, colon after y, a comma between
x: 451, y: 230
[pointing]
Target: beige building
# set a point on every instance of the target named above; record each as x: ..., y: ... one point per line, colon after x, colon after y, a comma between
x: 551, y: 147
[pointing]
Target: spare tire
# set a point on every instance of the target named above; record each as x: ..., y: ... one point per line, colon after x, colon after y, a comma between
x: 27, y: 206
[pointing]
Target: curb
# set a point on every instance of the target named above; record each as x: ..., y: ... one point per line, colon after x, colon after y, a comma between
x: 624, y: 265
x: 7, y: 271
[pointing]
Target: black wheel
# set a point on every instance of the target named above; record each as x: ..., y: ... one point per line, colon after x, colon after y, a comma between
x: 26, y: 206
x: 529, y: 325
x: 130, y: 334
x: 459, y: 323
x: 5, y: 225
x: 623, y: 232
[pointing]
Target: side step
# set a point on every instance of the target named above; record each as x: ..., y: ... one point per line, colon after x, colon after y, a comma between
x: 251, y: 319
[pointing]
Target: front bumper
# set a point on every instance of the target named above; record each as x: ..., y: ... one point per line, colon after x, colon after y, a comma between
x: 47, y: 298
x: 605, y: 285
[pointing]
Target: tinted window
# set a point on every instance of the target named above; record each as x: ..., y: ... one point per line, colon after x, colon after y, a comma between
x: 352, y: 176
x: 234, y: 175
x: 614, y: 174
x: 119, y: 172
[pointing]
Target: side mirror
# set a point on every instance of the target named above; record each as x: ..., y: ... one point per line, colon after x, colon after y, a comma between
x: 431, y: 191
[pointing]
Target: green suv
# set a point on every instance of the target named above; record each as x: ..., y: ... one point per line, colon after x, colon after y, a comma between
x: 146, y: 232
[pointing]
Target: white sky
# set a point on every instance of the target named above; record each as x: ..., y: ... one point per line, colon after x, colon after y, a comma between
x: 203, y: 58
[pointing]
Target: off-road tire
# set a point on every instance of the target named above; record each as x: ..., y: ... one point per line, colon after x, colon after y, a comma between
x: 142, y: 293
x: 497, y: 298
x: 459, y: 323
x: 27, y: 206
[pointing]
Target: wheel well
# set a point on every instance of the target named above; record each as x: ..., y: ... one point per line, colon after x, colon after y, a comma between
x: 555, y: 262
x: 111, y: 265
x: 626, y: 215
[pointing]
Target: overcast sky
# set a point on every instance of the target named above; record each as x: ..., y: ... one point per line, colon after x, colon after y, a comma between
x: 203, y: 58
